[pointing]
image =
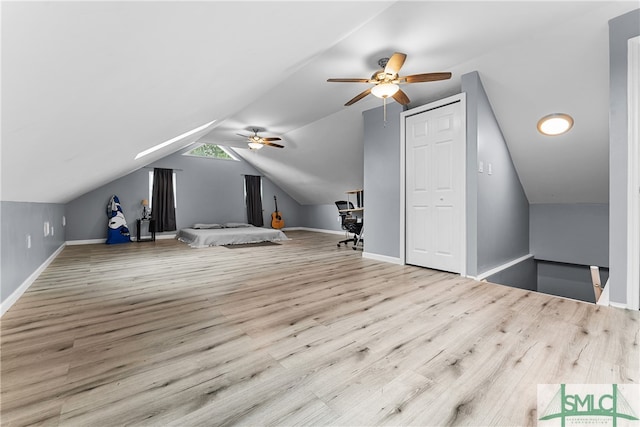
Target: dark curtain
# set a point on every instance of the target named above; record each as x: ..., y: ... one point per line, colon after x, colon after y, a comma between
x: 163, y: 205
x: 254, y: 200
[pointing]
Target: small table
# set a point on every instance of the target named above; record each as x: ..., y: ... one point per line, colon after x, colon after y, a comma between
x: 152, y: 229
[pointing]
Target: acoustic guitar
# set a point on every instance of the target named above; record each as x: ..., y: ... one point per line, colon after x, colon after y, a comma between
x: 276, y: 217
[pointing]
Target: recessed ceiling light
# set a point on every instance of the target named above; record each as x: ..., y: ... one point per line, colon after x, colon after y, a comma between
x: 555, y: 124
x: 172, y: 140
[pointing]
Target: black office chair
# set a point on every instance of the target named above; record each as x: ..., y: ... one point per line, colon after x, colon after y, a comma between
x: 349, y: 223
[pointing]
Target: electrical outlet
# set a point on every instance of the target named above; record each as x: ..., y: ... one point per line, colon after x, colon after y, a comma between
x: 28, y: 241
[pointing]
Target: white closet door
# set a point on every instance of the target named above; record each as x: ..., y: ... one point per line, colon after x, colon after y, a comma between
x: 435, y: 188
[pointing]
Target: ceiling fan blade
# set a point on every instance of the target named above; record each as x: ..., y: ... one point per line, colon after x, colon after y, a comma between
x: 271, y: 144
x: 275, y: 138
x: 401, y: 97
x: 244, y: 136
x: 427, y: 77
x: 358, y: 97
x: 349, y: 80
x: 395, y: 63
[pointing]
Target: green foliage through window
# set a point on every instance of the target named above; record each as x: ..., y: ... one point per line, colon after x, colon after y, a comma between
x: 211, y: 150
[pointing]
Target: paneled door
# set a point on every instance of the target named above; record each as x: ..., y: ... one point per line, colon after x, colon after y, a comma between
x: 434, y: 167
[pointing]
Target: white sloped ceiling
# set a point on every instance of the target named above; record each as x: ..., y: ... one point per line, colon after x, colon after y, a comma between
x: 87, y: 85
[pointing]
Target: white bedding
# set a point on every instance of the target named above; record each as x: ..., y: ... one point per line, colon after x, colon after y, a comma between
x: 201, y: 238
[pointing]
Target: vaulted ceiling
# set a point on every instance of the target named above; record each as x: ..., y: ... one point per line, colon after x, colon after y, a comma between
x: 88, y: 85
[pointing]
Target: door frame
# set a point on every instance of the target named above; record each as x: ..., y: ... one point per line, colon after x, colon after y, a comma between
x: 633, y: 183
x: 462, y: 98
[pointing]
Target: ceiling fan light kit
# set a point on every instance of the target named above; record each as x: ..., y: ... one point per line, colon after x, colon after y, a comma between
x: 385, y: 90
x: 255, y: 145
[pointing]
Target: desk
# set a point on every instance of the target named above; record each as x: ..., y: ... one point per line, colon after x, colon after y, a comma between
x: 357, y: 213
x: 151, y: 227
x: 354, y: 210
x: 359, y: 197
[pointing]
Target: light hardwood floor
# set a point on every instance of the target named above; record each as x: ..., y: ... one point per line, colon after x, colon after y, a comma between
x: 302, y: 333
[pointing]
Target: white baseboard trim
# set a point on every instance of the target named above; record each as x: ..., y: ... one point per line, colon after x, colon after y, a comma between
x: 499, y: 268
x: 85, y: 242
x: 617, y: 305
x: 165, y: 236
x: 15, y: 295
x: 317, y: 230
x: 383, y: 258
x: 102, y: 241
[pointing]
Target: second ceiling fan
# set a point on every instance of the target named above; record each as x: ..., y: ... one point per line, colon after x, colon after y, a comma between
x: 256, y: 142
x: 386, y: 81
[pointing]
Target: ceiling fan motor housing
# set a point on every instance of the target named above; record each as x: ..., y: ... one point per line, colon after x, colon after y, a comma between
x: 382, y: 62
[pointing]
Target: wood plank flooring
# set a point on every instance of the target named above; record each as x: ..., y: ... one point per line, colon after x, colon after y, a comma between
x: 303, y: 333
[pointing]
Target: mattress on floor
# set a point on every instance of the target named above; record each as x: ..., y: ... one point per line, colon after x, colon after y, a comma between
x: 202, y: 238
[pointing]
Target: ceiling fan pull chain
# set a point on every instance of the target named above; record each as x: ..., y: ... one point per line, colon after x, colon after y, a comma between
x: 384, y: 109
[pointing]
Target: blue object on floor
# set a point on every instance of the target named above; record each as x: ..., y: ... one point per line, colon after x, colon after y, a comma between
x: 117, y: 232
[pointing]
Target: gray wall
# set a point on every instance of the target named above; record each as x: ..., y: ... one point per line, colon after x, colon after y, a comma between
x: 523, y: 275
x: 570, y: 233
x: 500, y: 231
x: 470, y: 86
x: 323, y: 217
x: 621, y: 29
x: 20, y: 219
x: 382, y: 180
x: 207, y: 191
x: 570, y: 281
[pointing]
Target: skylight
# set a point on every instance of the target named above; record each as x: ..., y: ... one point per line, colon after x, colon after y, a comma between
x: 211, y: 151
x: 172, y: 140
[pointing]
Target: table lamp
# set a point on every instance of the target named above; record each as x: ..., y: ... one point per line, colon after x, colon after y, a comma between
x: 145, y: 208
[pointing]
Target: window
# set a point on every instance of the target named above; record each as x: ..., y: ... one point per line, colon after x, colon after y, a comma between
x: 211, y: 151
x: 175, y: 194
